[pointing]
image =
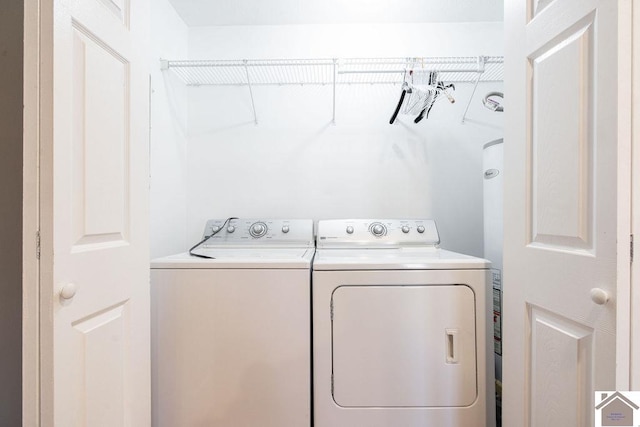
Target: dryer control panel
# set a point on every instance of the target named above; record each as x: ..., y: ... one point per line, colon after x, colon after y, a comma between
x: 377, y: 233
x: 258, y: 232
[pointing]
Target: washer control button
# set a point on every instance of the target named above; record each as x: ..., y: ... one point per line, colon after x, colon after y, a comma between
x: 285, y: 229
x: 231, y: 229
x: 215, y: 228
x: 258, y: 229
x: 420, y: 229
x: 405, y: 229
x: 349, y: 229
x: 378, y: 229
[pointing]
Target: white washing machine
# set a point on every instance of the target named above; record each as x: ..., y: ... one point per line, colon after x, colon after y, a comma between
x: 231, y: 336
x: 401, y: 328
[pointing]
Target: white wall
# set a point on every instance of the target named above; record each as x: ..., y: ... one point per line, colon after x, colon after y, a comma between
x: 168, y: 134
x: 294, y: 163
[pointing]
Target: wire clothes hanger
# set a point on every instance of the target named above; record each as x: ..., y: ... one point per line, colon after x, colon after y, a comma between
x: 405, y: 89
x: 421, y: 99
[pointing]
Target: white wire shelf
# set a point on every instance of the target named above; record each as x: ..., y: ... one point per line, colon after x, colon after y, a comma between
x: 278, y: 72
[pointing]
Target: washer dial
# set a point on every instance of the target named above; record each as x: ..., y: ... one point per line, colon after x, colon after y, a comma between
x: 258, y: 229
x: 378, y: 229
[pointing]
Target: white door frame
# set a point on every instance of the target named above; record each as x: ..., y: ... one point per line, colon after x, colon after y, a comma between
x: 624, y: 230
x: 31, y: 216
x: 633, y: 95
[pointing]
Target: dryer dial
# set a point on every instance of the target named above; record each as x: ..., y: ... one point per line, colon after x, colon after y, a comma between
x: 258, y: 229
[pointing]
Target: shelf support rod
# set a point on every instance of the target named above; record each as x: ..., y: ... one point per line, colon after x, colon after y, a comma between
x: 480, y: 70
x: 335, y: 73
x: 253, y: 105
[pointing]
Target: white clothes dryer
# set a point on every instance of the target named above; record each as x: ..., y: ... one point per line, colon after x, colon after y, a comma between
x: 401, y: 328
x: 231, y: 335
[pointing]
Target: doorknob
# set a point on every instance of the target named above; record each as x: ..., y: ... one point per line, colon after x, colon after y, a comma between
x: 68, y: 291
x: 599, y: 296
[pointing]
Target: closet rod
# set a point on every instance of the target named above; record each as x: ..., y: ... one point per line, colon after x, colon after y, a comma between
x: 420, y: 70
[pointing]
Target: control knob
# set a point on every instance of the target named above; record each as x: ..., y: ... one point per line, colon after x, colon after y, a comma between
x: 231, y: 229
x: 420, y: 229
x: 258, y: 229
x: 405, y: 229
x: 285, y: 229
x: 378, y: 229
x: 349, y: 229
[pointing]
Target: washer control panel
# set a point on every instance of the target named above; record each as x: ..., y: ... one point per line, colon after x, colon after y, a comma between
x: 377, y: 233
x: 248, y: 232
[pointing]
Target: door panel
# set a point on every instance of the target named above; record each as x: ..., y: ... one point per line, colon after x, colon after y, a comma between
x: 561, y: 149
x: 560, y: 209
x: 561, y: 355
x: 100, y: 124
x: 101, y: 340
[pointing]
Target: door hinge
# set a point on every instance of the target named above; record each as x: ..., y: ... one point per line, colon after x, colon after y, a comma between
x: 38, y: 244
x: 631, y: 247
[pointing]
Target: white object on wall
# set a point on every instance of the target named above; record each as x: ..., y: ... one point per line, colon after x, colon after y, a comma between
x: 493, y: 179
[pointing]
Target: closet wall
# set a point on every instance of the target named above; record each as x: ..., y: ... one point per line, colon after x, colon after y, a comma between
x: 295, y: 163
x: 168, y: 133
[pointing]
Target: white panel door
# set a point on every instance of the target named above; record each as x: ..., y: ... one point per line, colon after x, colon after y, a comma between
x: 95, y: 270
x: 560, y: 217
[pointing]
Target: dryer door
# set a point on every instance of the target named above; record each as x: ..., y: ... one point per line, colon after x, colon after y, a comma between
x: 404, y: 346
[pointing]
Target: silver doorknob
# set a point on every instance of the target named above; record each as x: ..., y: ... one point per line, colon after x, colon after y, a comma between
x: 68, y: 291
x: 599, y: 296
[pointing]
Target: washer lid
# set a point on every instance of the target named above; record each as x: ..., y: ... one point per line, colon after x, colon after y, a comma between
x: 427, y: 258
x: 240, y: 258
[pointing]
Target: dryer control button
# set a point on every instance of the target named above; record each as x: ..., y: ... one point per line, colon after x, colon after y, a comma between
x: 349, y: 229
x: 285, y: 229
x: 258, y: 229
x: 420, y: 229
x: 405, y: 229
x: 231, y: 229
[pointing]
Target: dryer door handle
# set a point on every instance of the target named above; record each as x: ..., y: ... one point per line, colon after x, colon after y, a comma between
x: 451, y: 345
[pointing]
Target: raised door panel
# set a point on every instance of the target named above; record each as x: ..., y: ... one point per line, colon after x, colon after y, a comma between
x: 560, y: 352
x: 102, y: 341
x: 100, y: 124
x: 561, y: 149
